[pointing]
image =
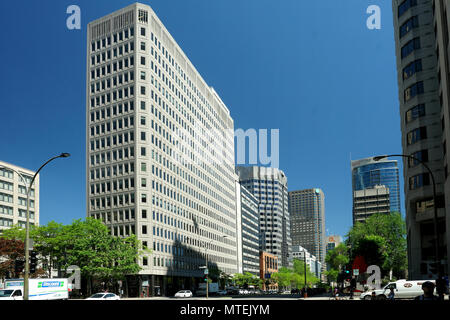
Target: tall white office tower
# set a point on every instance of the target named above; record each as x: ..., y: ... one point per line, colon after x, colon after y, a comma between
x: 160, y: 152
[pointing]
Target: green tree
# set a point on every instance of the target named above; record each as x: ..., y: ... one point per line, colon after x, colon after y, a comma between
x: 336, y: 259
x: 246, y: 279
x: 392, y: 229
x: 87, y: 244
x: 294, y: 277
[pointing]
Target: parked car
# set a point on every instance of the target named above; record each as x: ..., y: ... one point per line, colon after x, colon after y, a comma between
x: 295, y: 291
x: 243, y: 291
x: 222, y: 292
x: 184, y: 294
x: 403, y: 289
x: 104, y: 296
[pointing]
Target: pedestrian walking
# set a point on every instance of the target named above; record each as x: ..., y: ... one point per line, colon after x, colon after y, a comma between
x: 391, y: 295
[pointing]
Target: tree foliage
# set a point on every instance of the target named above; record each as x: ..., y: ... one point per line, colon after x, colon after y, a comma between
x: 246, y: 279
x: 381, y: 240
x: 87, y: 244
x: 10, y: 250
x: 295, y: 277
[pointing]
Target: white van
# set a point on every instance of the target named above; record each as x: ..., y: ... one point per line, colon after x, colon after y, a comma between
x: 403, y: 289
x: 39, y: 289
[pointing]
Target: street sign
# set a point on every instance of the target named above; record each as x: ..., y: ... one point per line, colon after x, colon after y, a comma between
x: 206, y: 271
x: 355, y: 272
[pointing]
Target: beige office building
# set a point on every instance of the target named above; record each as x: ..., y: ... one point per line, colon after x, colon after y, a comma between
x: 421, y: 35
x: 369, y: 201
x: 160, y: 152
x: 13, y: 196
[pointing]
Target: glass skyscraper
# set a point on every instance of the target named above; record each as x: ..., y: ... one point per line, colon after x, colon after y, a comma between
x: 367, y: 173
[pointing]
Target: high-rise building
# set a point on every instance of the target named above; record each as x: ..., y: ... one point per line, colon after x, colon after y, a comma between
x: 368, y: 173
x: 333, y: 241
x: 14, y: 181
x: 160, y: 152
x: 369, y: 201
x: 307, y: 210
x: 269, y: 186
x: 421, y: 37
x: 247, y: 233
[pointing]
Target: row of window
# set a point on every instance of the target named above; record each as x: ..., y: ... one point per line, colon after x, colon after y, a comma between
x: 114, y: 185
x: 119, y: 139
x: 115, y: 200
x: 118, y: 36
x: 119, y: 109
x: 115, y: 66
x: 121, y: 93
x: 116, y: 124
x: 117, y: 154
x: 116, y: 52
x: 117, y: 81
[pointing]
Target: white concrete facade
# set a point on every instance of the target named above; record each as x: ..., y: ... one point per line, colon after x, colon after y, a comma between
x: 160, y: 147
x: 13, y: 196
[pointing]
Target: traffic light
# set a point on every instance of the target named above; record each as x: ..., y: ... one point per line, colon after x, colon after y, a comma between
x: 205, y: 279
x: 33, y: 261
x: 19, y: 265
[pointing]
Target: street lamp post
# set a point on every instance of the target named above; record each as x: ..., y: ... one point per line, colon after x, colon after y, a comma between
x: 435, y: 220
x: 305, y: 294
x: 27, y: 225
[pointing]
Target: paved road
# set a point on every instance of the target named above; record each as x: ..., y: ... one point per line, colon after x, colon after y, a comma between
x: 263, y: 297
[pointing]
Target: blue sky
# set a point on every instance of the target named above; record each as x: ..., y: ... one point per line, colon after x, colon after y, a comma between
x: 309, y: 68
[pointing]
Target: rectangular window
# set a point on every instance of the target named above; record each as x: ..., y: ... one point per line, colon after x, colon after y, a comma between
x: 414, y: 90
x: 143, y: 32
x: 416, y: 135
x: 409, y: 47
x: 421, y: 155
x: 412, y: 68
x: 419, y: 181
x: 405, y: 6
x: 410, y: 24
x: 415, y: 112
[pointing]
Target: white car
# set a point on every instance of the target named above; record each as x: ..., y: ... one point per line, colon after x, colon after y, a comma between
x: 184, y: 294
x: 403, y: 289
x: 104, y: 296
x: 243, y: 291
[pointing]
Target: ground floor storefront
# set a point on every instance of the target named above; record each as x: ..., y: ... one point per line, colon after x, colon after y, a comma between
x: 158, y: 285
